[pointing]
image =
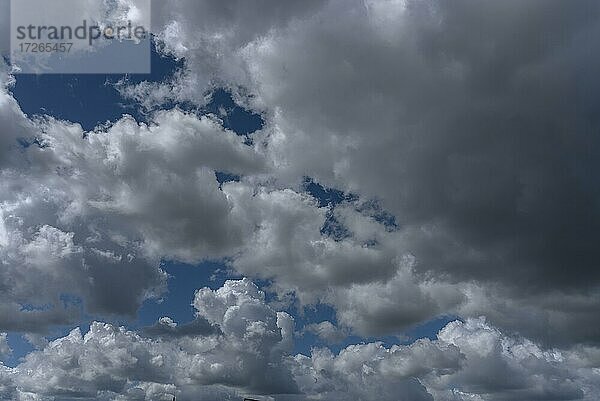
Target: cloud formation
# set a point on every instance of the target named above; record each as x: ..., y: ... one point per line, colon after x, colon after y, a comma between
x: 472, y: 124
x: 91, y: 214
x: 251, y: 353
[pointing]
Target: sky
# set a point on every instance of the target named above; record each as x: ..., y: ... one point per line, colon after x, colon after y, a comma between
x: 320, y: 200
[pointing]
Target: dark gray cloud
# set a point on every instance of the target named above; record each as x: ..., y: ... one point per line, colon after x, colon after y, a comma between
x: 16, y: 317
x: 472, y: 123
x: 476, y: 136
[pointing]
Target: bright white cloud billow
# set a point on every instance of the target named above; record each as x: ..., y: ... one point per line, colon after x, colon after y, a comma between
x: 91, y: 214
x: 469, y: 360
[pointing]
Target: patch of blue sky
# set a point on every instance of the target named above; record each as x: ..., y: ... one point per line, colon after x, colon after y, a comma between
x: 428, y: 329
x: 220, y: 104
x: 374, y: 209
x: 234, y: 117
x: 326, y: 196
x: 333, y: 228
x: 183, y: 282
x: 305, y: 316
x: 331, y: 197
x: 223, y: 177
x: 88, y: 99
x: 305, y: 341
x: 176, y: 303
x: 20, y: 347
x: 93, y: 99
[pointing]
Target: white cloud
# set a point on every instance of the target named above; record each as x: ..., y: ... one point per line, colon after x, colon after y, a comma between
x: 246, y: 354
x: 251, y: 353
x: 91, y: 214
x: 502, y: 367
x: 365, y: 277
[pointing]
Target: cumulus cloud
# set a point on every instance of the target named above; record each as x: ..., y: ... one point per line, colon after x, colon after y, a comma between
x: 364, y: 276
x: 481, y: 145
x: 289, y: 246
x: 245, y: 351
x: 502, y: 367
x: 417, y: 114
x: 90, y: 214
x: 252, y: 354
x: 135, y: 169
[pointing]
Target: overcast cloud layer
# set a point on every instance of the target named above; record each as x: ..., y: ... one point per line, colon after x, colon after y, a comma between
x: 463, y: 135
